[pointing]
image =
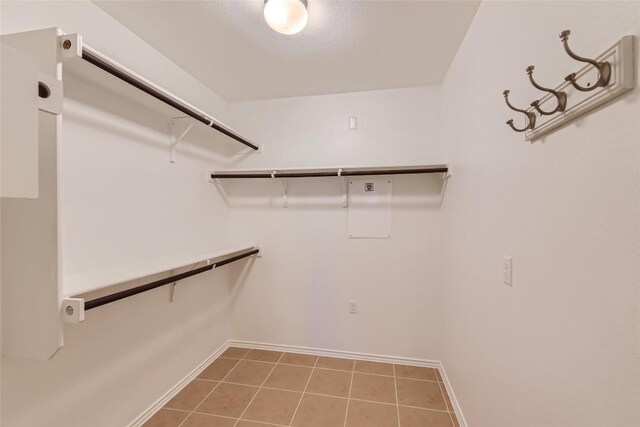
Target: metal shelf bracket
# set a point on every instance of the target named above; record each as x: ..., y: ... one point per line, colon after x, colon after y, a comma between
x: 343, y: 181
x: 283, y: 185
x: 174, y: 140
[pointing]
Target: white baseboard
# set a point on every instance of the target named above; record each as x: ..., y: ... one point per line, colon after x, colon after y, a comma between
x: 452, y: 396
x: 336, y: 353
x: 142, y: 418
x: 158, y: 404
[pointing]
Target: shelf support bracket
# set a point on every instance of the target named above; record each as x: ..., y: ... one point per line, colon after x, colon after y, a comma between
x: 343, y: 181
x: 172, y: 292
x: 447, y: 174
x: 283, y: 185
x: 73, y: 310
x: 174, y: 140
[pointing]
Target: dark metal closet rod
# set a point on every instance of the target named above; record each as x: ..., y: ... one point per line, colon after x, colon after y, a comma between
x: 88, y: 305
x: 94, y: 59
x: 330, y: 173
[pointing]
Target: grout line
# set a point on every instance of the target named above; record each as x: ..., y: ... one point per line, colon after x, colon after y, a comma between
x: 238, y: 420
x: 208, y: 394
x: 304, y: 390
x: 260, y: 388
x: 446, y: 405
x: 343, y: 370
x: 395, y: 387
x: 346, y: 411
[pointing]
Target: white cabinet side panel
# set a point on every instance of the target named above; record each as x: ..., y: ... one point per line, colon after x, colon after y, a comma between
x: 31, y: 296
x: 18, y: 124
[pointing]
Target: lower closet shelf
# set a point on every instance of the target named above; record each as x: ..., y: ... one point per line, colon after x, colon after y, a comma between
x: 74, y: 307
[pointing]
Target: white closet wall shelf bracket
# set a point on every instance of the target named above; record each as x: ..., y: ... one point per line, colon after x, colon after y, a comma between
x: 175, y: 140
x: 74, y: 308
x: 343, y: 181
x: 284, y: 184
x: 73, y: 48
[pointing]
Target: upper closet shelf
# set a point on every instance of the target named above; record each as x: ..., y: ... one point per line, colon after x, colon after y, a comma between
x: 330, y: 171
x: 73, y: 47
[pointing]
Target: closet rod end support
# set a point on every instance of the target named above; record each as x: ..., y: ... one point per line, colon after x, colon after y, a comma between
x: 73, y: 310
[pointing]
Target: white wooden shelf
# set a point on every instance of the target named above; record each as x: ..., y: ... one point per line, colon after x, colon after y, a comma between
x: 329, y: 171
x: 78, y: 284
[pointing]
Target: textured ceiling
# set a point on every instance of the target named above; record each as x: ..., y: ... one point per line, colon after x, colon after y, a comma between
x: 347, y: 46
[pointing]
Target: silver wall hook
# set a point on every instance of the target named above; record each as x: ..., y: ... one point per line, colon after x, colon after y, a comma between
x: 531, y: 117
x: 604, y: 68
x: 561, y: 96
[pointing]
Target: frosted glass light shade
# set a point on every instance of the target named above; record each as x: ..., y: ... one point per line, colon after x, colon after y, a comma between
x: 286, y: 16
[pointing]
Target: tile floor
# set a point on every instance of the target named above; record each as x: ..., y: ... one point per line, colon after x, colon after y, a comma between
x: 259, y: 388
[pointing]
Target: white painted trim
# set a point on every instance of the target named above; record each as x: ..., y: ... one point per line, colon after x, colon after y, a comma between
x: 158, y: 404
x: 336, y: 353
x: 452, y: 396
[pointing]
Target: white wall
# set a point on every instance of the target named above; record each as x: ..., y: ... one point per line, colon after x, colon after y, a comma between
x: 123, y: 202
x: 559, y: 348
x: 298, y: 294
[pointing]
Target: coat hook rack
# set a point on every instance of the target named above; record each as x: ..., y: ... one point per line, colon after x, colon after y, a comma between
x: 531, y: 117
x: 603, y: 67
x: 613, y: 71
x: 560, y: 96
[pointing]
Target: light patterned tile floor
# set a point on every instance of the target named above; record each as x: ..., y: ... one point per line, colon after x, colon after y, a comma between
x: 260, y: 388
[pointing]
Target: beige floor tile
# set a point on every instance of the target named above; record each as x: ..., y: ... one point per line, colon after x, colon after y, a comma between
x: 229, y: 400
x: 245, y: 423
x: 263, y: 355
x: 378, y: 368
x: 320, y: 411
x: 423, y: 394
x: 327, y: 381
x: 299, y: 359
x: 191, y: 396
x: 367, y: 414
x: 415, y: 372
x: 249, y: 372
x: 202, y: 420
x: 235, y: 352
x: 273, y: 406
x: 412, y: 417
x: 335, y: 363
x: 166, y: 418
x: 218, y: 369
x: 374, y: 387
x: 289, y: 377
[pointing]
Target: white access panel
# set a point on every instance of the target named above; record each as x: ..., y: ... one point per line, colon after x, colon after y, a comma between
x: 18, y: 124
x: 370, y: 208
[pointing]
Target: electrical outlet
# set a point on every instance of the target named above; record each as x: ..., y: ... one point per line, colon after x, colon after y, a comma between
x: 353, y: 306
x: 507, y: 270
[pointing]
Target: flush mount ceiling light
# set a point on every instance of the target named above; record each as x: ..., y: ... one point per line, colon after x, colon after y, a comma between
x: 286, y: 16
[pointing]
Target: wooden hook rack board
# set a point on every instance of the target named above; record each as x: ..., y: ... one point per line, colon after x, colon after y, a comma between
x: 621, y: 58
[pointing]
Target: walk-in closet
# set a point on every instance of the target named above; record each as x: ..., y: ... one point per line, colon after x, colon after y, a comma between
x: 319, y: 213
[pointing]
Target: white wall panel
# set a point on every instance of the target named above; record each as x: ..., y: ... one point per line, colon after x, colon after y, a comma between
x: 299, y: 292
x: 559, y: 348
